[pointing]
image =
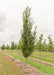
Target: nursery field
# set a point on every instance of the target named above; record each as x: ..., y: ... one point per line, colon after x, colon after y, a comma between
x: 43, y: 64
x: 36, y: 53
x: 23, y: 49
x: 7, y: 67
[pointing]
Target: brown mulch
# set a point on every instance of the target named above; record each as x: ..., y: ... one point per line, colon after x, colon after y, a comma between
x: 28, y: 70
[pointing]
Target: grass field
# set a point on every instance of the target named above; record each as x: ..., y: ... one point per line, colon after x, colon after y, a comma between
x: 35, y: 56
x: 44, y: 54
x: 43, y: 68
x: 7, y: 67
x: 44, y: 59
x: 36, y: 53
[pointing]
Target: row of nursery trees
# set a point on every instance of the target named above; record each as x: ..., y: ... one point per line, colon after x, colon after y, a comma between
x: 40, y: 45
x: 13, y: 46
x: 28, y: 42
x: 29, y: 38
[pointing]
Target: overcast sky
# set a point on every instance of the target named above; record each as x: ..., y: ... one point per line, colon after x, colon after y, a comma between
x: 11, y: 18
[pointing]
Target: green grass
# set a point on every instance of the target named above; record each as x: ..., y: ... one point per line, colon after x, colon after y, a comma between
x: 36, y: 53
x: 43, y: 68
x: 44, y: 59
x: 44, y: 54
x: 40, y: 58
x: 7, y: 67
x: 15, y: 51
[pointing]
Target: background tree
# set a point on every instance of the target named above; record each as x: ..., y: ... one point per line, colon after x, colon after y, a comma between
x: 3, y: 47
x: 50, y: 44
x: 28, y: 37
x: 12, y: 45
x: 44, y: 45
x: 7, y: 47
x: 39, y: 44
x: 19, y: 44
x: 15, y: 46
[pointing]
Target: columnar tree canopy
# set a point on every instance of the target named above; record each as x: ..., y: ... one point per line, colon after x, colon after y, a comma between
x: 28, y: 37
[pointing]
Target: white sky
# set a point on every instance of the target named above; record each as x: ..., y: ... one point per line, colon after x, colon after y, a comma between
x: 11, y: 18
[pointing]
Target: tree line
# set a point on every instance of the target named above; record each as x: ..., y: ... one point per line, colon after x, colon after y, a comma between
x: 28, y: 41
x: 14, y: 46
x: 41, y: 45
x: 28, y: 37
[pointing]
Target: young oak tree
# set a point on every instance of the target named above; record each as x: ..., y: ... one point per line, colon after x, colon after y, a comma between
x: 19, y: 44
x: 12, y: 45
x: 50, y: 44
x: 3, y: 47
x: 44, y: 45
x: 7, y: 47
x: 28, y: 37
x: 39, y: 44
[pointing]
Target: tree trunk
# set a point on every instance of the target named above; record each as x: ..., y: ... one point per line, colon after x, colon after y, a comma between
x: 26, y: 64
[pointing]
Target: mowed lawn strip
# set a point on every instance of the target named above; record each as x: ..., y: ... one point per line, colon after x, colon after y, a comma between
x: 44, y: 59
x: 35, y: 53
x: 40, y: 58
x: 44, y: 54
x: 7, y: 67
x: 43, y: 68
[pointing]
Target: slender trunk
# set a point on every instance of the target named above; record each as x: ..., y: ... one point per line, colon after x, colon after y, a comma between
x: 26, y: 64
x: 26, y: 60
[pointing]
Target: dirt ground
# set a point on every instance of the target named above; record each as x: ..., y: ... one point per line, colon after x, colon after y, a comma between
x: 29, y: 70
x: 8, y: 67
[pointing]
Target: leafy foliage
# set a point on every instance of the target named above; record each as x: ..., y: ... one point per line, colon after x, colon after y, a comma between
x: 12, y: 45
x: 39, y: 43
x: 3, y: 47
x: 28, y: 37
x: 7, y: 47
x: 50, y: 44
x: 44, y: 46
